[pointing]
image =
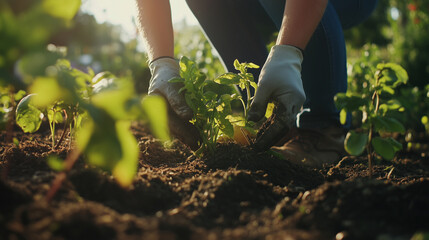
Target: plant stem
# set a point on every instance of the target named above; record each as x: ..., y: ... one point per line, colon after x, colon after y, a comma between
x: 64, y: 131
x: 248, y: 99
x: 59, y: 179
x: 369, y: 150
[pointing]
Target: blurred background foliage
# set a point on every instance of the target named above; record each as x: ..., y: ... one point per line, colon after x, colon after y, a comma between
x: 33, y: 35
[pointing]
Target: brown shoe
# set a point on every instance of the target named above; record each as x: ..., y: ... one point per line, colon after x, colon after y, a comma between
x: 313, y: 147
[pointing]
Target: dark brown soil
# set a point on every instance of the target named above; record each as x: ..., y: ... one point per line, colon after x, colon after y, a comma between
x: 236, y: 194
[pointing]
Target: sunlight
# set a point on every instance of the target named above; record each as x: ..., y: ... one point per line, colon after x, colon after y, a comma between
x: 123, y: 13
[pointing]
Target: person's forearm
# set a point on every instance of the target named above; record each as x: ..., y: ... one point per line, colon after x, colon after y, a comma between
x: 301, y: 18
x: 154, y: 20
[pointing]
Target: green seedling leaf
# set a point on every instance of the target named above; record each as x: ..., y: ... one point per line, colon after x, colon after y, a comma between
x: 237, y: 65
x: 388, y: 89
x: 349, y: 102
x: 387, y: 124
x: 56, y: 163
x: 126, y: 168
x: 236, y: 120
x: 19, y: 95
x: 226, y: 127
x: 343, y: 116
x: 113, y: 99
x: 99, y: 141
x: 396, y: 74
x: 28, y: 117
x: 396, y: 145
x: 15, y: 142
x: 64, y: 9
x: 219, y: 89
x: 228, y: 78
x: 176, y: 80
x: 355, y: 143
x: 55, y: 115
x: 383, y: 147
x: 47, y: 91
x: 155, y: 109
x: 392, y: 104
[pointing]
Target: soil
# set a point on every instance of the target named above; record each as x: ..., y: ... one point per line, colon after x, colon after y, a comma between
x: 236, y: 194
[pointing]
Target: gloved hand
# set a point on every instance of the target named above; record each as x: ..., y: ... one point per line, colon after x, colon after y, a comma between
x: 163, y: 70
x: 280, y: 80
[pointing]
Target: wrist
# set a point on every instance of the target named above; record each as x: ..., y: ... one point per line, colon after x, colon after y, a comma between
x: 164, y: 64
x: 286, y: 53
x: 161, y: 57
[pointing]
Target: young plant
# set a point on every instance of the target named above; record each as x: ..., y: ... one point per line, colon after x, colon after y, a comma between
x: 57, y: 98
x: 374, y: 103
x: 210, y: 100
x: 100, y: 110
x: 245, y: 82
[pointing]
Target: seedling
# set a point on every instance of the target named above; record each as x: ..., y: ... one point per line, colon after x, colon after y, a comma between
x: 98, y: 110
x: 210, y: 100
x: 374, y: 104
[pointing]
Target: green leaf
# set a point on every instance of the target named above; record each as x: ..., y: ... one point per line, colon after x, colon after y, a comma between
x: 56, y: 163
x: 28, y: 117
x: 99, y: 140
x: 64, y: 9
x: 236, y: 120
x: 383, y: 147
x: 254, y: 85
x: 251, y: 65
x: 228, y: 79
x: 396, y: 145
x: 177, y: 80
x: 219, y: 89
x: 388, y: 89
x: 349, y: 102
x: 237, y: 65
x: 113, y: 98
x: 343, y: 116
x: 48, y: 91
x: 226, y: 127
x: 355, y: 143
x: 126, y: 168
x: 155, y: 109
x: 400, y: 73
x: 387, y: 124
x: 54, y: 115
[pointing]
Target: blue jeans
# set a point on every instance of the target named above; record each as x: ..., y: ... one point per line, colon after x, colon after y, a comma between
x: 241, y: 29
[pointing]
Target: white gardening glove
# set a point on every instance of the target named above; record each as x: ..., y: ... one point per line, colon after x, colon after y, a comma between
x: 179, y: 113
x: 163, y: 70
x: 279, y: 81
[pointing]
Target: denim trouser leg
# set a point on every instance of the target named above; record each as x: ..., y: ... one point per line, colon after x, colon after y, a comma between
x: 238, y: 30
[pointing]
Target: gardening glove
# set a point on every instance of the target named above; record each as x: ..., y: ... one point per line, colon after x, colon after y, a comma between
x: 279, y: 81
x: 163, y: 70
